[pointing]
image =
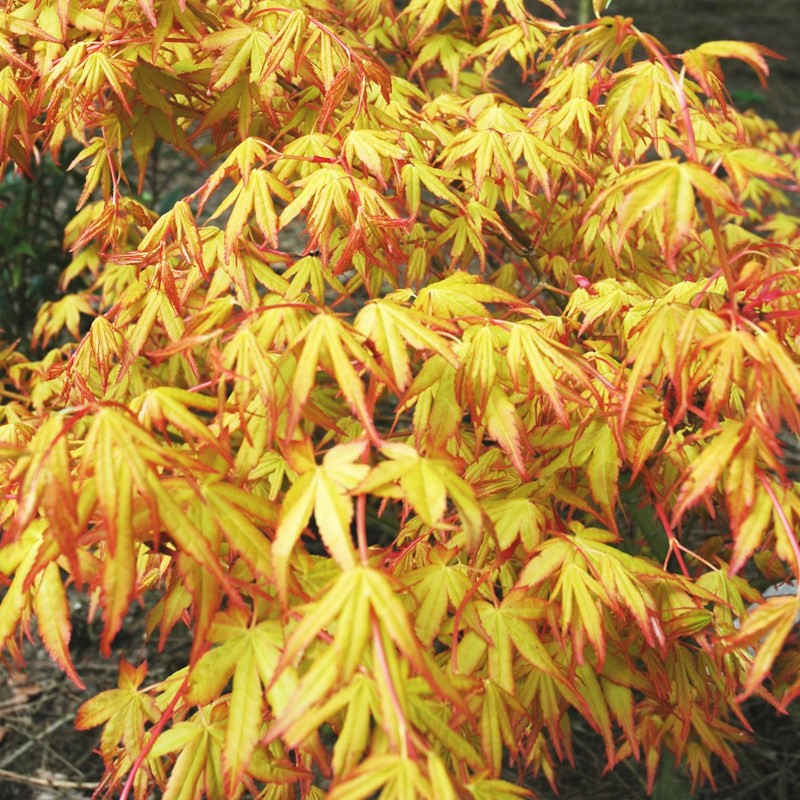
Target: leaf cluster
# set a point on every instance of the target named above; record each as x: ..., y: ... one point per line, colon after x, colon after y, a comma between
x: 441, y: 421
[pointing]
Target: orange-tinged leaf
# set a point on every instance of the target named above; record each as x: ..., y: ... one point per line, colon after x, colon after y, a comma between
x: 244, y: 719
x: 242, y: 517
x: 125, y: 712
x: 393, y: 772
x: 293, y: 34
x: 766, y: 629
x: 516, y: 518
x: 669, y: 186
x: 751, y: 54
x: 392, y: 616
x: 333, y: 511
x: 504, y: 426
x: 604, y: 301
x: 509, y: 630
x: 666, y: 337
x: 580, y: 609
x: 353, y: 739
x: 170, y: 405
x: 53, y: 620
x: 319, y: 614
x: 148, y: 8
x: 420, y: 480
x: 705, y: 471
x: 252, y: 195
x: 546, y: 563
x: 308, y: 723
x: 425, y: 483
x: 437, y: 587
x: 391, y: 327
x: 56, y: 315
x: 425, y: 489
x: 603, y: 470
x: 494, y: 789
x: 211, y: 673
x: 495, y: 725
x: 240, y: 47
x: 329, y: 344
x: 327, y: 192
x: 785, y: 366
x: 750, y: 533
x: 621, y: 705
x: 370, y: 147
x: 544, y: 161
x: 16, y: 596
x: 119, y: 570
x: 186, y: 535
x: 114, y: 481
x: 742, y: 162
x: 469, y: 510
x: 354, y: 628
x: 416, y: 173
x: 293, y: 517
x: 622, y: 584
x: 441, y: 783
x: 196, y: 767
x: 460, y: 295
x: 548, y: 363
x: 325, y: 490
x: 589, y: 686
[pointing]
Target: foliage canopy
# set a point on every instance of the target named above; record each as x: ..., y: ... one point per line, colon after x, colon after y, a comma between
x: 439, y: 420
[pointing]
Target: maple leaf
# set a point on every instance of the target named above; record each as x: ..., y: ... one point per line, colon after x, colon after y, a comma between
x: 329, y: 343
x: 665, y: 339
x: 425, y: 483
x: 503, y: 423
x: 508, y: 628
x: 198, y: 743
x: 704, y: 471
x: 460, y: 295
x: 397, y: 778
x: 252, y: 196
x: 668, y: 187
x: 605, y: 300
x: 516, y: 519
x: 248, y: 654
x: 751, y: 54
x: 125, y: 460
x: 324, y: 491
x: 56, y: 315
x: 123, y: 711
x: 371, y: 147
x: 20, y: 558
x: 391, y: 328
x: 437, y: 587
x: 538, y: 364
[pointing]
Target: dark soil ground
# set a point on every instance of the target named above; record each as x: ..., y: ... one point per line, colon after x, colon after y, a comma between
x: 42, y: 757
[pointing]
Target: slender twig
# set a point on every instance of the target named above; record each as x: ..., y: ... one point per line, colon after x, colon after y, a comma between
x: 155, y: 732
x: 35, y: 739
x: 49, y: 783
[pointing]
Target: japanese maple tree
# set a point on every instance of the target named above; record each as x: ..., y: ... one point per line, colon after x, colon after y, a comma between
x: 439, y: 420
